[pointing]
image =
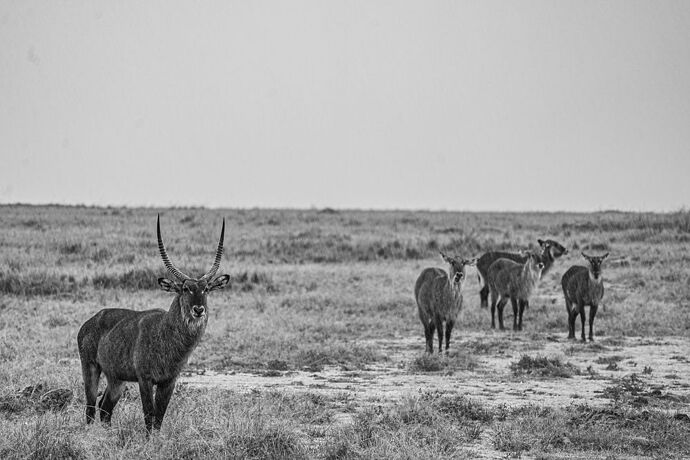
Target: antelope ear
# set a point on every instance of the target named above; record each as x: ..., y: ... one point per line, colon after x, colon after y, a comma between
x: 169, y: 285
x: 219, y: 283
x: 445, y: 257
x: 542, y: 243
x: 604, y: 256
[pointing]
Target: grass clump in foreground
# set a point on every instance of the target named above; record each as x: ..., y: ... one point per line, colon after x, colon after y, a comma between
x: 207, y: 424
x: 47, y: 437
x: 441, y: 362
x: 542, y: 366
x: 583, y: 429
x: 426, y: 426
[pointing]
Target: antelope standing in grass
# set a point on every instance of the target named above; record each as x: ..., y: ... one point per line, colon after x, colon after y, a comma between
x: 149, y: 347
x: 439, y: 299
x: 511, y: 280
x: 583, y: 286
x: 550, y: 251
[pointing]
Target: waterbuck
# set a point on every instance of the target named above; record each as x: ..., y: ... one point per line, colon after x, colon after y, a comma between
x: 439, y: 299
x: 511, y: 280
x: 583, y: 286
x: 149, y: 347
x: 550, y: 251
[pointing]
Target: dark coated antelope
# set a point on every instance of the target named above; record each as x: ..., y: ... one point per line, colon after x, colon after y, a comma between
x: 149, y: 347
x: 583, y: 286
x: 550, y: 251
x: 514, y: 281
x: 439, y: 299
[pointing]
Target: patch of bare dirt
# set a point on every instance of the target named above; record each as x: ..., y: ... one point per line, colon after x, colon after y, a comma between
x: 660, y: 366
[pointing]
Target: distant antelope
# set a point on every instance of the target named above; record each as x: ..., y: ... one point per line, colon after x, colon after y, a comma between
x: 439, y: 299
x: 514, y: 281
x: 149, y: 347
x: 583, y: 286
x: 550, y: 251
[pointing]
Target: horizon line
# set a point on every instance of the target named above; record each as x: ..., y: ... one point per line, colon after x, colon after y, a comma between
x: 335, y: 209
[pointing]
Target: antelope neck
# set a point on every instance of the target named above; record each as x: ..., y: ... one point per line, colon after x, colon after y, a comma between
x: 546, y: 257
x: 176, y: 323
x: 529, y: 273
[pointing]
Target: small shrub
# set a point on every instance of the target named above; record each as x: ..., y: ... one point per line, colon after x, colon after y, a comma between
x: 629, y: 386
x: 609, y: 359
x: 71, y: 248
x: 38, y: 284
x: 541, y: 366
x: 34, y: 224
x: 277, y: 365
x: 312, y: 359
x: 428, y: 363
x: 101, y: 255
x: 249, y: 281
x: 139, y: 278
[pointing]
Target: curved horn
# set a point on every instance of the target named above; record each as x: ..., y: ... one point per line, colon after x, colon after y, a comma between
x: 164, y: 254
x: 219, y: 255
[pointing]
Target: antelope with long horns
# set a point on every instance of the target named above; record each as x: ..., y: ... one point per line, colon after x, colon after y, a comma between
x: 148, y: 347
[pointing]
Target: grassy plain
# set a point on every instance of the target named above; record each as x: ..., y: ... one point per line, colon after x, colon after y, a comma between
x: 322, y: 289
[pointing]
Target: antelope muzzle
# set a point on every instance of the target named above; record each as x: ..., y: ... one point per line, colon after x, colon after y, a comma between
x: 198, y: 311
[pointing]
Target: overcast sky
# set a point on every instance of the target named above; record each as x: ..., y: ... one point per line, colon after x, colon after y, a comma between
x: 511, y: 105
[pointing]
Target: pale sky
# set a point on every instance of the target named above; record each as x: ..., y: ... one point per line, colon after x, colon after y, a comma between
x: 482, y: 105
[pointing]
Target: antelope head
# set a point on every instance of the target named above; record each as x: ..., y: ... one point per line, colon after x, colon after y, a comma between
x: 192, y: 292
x: 456, y: 269
x: 553, y: 248
x: 595, y: 265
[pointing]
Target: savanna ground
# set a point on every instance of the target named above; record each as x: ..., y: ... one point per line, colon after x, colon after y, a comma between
x: 316, y: 351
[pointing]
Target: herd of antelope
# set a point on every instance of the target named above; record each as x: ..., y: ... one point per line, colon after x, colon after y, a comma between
x: 506, y: 276
x: 151, y: 347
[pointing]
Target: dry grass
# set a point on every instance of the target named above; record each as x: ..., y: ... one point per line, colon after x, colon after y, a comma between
x: 311, y: 289
x: 542, y: 366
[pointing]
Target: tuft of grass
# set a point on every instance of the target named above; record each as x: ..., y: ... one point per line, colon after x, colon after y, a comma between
x: 627, y: 430
x: 135, y: 279
x: 38, y: 398
x: 257, y: 440
x: 312, y: 359
x: 48, y: 437
x: 101, y: 255
x: 542, y: 366
x: 443, y: 362
x: 460, y: 407
x: 38, y: 284
x: 250, y: 281
x: 428, y: 363
x: 583, y: 430
x: 68, y: 249
x: 415, y: 427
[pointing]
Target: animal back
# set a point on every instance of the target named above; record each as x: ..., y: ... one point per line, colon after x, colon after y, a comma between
x: 486, y: 260
x: 434, y: 295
